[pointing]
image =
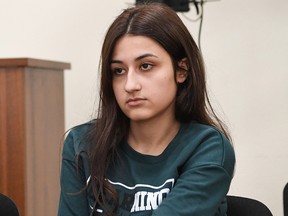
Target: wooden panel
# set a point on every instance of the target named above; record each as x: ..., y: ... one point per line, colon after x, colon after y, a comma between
x: 37, y: 63
x: 31, y: 133
x: 12, y: 140
x: 44, y: 131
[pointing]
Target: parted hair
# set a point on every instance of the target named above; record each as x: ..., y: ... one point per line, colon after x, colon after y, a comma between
x: 160, y: 23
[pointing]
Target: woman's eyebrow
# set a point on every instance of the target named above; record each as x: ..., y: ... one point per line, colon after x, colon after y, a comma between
x: 115, y: 61
x: 145, y: 55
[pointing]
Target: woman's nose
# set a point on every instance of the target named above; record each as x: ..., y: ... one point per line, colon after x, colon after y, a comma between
x: 132, y: 82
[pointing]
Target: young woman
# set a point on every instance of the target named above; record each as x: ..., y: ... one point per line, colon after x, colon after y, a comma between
x: 157, y: 147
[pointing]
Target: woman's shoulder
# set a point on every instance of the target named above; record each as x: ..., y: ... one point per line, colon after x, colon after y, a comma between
x: 209, y: 144
x: 201, y: 132
x: 81, y: 130
x: 78, y: 138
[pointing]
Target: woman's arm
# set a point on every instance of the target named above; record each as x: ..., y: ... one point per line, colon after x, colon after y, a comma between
x: 73, y: 196
x: 203, y: 182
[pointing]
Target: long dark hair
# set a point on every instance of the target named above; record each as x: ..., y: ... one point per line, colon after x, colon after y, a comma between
x: 159, y: 22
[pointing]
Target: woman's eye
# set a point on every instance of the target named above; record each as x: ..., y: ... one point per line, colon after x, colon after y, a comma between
x: 146, y: 66
x: 118, y: 71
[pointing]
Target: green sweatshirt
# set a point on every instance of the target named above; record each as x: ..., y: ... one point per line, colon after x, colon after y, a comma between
x: 191, y: 177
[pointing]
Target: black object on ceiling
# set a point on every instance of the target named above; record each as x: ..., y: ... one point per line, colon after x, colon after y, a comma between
x: 177, y: 5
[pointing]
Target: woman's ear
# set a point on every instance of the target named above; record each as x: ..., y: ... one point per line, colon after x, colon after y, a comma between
x: 182, y: 71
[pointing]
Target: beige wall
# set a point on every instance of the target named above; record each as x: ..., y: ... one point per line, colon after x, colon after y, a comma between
x: 244, y: 43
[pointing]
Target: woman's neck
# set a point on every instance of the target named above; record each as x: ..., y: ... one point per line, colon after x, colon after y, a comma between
x: 152, y: 137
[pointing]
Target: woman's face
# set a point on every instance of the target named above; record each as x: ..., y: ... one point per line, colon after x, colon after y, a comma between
x: 143, y: 78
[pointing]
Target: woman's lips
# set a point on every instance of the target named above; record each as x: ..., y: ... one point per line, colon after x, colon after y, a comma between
x: 135, y: 101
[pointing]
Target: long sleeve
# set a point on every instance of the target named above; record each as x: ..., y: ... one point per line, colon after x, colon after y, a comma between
x: 73, y: 196
x: 203, y: 181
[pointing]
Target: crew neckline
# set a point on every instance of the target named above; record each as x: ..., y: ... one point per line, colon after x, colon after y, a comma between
x: 146, y: 158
